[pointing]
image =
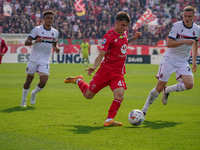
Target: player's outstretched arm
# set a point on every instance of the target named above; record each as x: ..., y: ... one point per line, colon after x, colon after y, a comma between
x: 173, y: 43
x: 137, y: 34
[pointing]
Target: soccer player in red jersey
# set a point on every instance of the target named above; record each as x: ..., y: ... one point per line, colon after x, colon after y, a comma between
x: 112, y: 69
x: 3, y: 48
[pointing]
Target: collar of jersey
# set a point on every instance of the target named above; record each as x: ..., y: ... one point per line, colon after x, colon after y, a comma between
x: 187, y: 27
x: 46, y: 29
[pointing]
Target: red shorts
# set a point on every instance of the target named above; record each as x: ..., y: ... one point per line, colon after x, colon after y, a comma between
x: 104, y: 77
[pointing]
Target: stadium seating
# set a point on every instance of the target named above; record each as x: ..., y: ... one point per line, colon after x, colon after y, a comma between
x: 100, y: 17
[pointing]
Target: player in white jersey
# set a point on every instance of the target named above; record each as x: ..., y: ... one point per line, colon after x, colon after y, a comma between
x: 183, y: 37
x: 42, y: 39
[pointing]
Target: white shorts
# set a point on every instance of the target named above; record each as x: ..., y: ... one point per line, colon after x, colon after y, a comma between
x: 166, y: 69
x: 33, y: 67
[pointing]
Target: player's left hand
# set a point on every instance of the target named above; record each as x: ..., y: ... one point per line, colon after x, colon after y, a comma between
x: 194, y: 67
x: 137, y: 34
x: 90, y: 70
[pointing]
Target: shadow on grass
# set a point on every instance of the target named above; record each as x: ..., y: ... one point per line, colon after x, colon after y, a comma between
x: 156, y: 124
x: 17, y: 108
x: 80, y: 129
x: 159, y: 124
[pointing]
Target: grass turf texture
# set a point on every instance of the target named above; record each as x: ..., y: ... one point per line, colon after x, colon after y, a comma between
x: 63, y: 119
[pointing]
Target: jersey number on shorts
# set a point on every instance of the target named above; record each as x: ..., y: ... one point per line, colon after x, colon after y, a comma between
x: 189, y: 69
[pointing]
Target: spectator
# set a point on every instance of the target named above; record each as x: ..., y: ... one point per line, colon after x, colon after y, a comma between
x: 75, y: 27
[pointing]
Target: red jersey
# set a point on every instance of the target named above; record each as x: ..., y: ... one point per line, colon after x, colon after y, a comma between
x: 115, y: 45
x: 3, y: 46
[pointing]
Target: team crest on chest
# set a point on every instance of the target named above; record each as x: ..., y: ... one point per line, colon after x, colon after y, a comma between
x: 194, y: 33
x: 123, y: 49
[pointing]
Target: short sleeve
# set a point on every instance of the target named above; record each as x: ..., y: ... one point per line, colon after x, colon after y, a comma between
x: 33, y: 33
x: 173, y: 32
x: 106, y: 43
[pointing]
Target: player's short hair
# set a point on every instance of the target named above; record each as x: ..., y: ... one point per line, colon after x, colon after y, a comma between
x: 123, y: 16
x: 189, y: 8
x: 48, y: 12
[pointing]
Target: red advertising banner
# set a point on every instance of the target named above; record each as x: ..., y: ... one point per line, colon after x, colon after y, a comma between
x: 74, y: 49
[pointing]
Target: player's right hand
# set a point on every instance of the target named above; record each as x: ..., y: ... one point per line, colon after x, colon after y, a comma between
x: 194, y: 66
x: 38, y: 40
x: 189, y: 42
x: 90, y: 70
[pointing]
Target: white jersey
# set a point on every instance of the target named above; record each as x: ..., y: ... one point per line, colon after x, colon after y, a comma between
x: 179, y: 55
x: 41, y: 51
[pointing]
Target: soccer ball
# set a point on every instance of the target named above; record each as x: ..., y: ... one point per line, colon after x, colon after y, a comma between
x: 136, y: 117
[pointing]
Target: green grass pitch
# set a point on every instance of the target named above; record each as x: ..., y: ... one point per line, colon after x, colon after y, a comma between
x: 62, y: 119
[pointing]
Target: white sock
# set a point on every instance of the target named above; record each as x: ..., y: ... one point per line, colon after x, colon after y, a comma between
x: 78, y: 81
x: 151, y: 98
x: 37, y: 89
x: 109, y: 119
x: 177, y: 87
x: 24, y: 93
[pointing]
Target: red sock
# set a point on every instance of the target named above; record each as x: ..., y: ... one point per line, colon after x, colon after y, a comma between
x: 114, y: 108
x: 83, y: 86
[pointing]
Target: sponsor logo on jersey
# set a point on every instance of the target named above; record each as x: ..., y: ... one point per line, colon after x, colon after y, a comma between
x: 122, y: 36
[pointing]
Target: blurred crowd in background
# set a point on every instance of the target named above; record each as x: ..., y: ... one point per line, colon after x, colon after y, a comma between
x: 100, y: 17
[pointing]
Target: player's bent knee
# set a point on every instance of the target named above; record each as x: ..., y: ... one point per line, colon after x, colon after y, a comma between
x: 89, y: 96
x: 119, y: 95
x: 189, y: 86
